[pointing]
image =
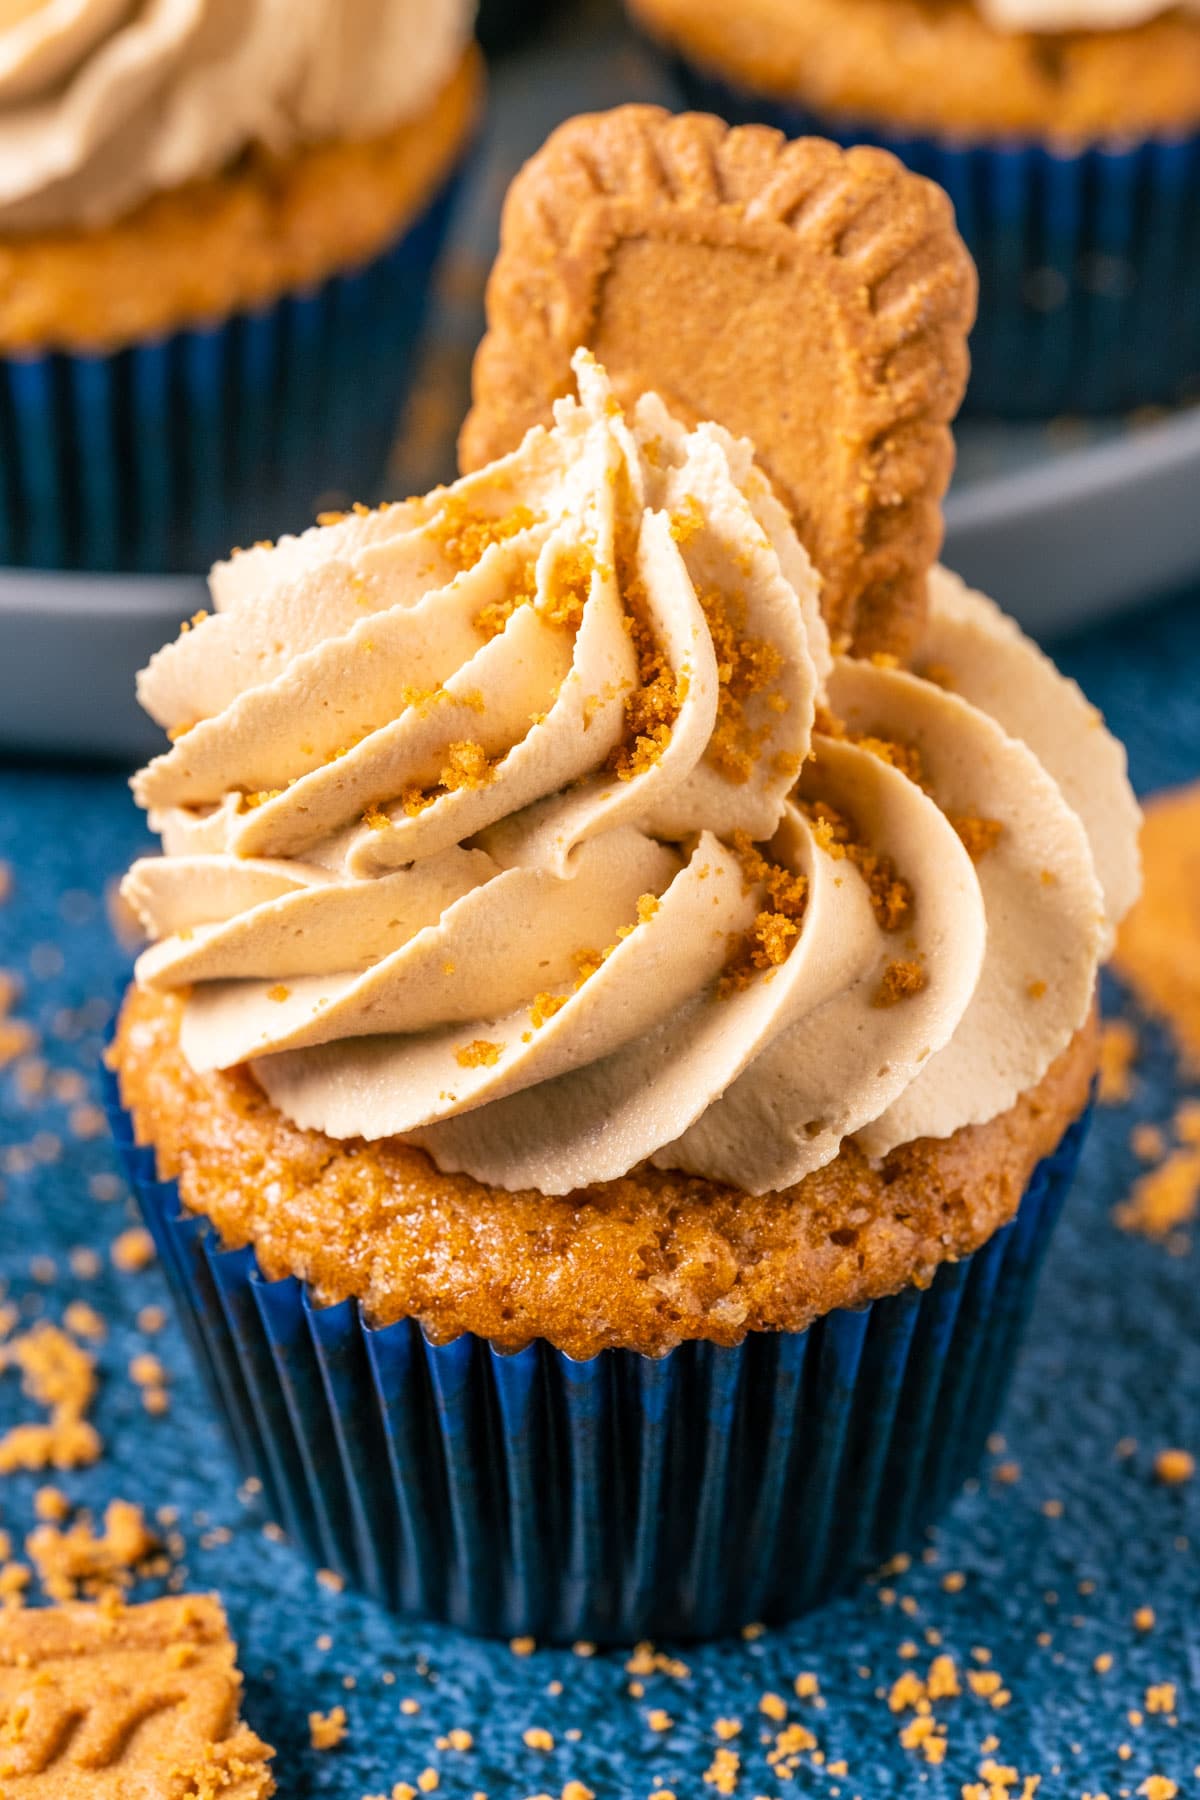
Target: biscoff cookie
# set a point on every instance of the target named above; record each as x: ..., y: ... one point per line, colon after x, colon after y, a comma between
x: 102, y: 1702
x: 813, y: 299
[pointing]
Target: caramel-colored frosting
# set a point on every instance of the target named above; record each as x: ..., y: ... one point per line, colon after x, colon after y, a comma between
x: 104, y: 102
x: 1076, y: 15
x: 534, y: 822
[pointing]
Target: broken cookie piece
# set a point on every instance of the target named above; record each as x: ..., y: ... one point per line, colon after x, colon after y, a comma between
x: 110, y: 1702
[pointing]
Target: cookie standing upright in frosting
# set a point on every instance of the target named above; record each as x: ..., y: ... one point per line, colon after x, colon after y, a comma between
x: 829, y: 302
x: 561, y: 936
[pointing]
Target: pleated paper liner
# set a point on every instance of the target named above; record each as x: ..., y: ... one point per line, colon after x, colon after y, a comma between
x: 613, y: 1499
x: 159, y: 458
x: 1089, y: 261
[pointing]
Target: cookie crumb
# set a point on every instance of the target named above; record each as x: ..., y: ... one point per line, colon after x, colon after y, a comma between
x: 480, y: 1053
x: 1173, y: 1467
x: 1147, y: 1142
x: 1155, y: 953
x: 133, y: 1250
x: 901, y: 979
x: 1164, y: 1198
x: 327, y: 1730
x: 59, y: 1375
x: 82, y: 1320
x: 978, y: 835
x: 1118, y: 1054
x: 79, y: 1561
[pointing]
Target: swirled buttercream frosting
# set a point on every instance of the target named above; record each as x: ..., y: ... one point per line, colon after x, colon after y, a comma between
x: 536, y: 822
x: 104, y: 102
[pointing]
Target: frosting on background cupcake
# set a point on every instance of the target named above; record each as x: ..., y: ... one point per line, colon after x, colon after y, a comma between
x: 1077, y: 15
x: 104, y: 102
x: 534, y: 822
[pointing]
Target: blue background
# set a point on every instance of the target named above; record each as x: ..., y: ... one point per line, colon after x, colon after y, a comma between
x: 1114, y: 1351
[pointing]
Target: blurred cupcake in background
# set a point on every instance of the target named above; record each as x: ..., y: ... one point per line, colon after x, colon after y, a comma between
x: 217, y: 230
x: 1067, y: 133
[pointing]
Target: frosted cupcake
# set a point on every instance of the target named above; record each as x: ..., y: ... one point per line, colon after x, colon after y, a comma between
x: 609, y: 1060
x: 216, y: 236
x: 1067, y: 132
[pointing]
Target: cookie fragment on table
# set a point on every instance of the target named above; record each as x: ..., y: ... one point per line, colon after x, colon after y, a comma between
x: 105, y: 1702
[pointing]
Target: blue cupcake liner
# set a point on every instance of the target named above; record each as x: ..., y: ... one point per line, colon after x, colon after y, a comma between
x: 613, y: 1499
x: 1089, y: 261
x: 160, y: 457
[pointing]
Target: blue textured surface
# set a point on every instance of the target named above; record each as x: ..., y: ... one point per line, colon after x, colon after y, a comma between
x: 1114, y: 1351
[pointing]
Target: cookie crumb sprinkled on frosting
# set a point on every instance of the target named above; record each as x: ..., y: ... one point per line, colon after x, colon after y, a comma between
x: 479, y: 1054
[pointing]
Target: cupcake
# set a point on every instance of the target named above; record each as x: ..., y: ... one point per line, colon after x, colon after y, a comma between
x: 217, y: 228
x: 1066, y: 131
x: 609, y: 1058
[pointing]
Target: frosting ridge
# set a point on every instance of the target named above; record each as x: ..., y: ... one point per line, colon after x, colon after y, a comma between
x: 535, y: 821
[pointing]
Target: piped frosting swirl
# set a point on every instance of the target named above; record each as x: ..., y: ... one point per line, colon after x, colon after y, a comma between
x: 535, y: 822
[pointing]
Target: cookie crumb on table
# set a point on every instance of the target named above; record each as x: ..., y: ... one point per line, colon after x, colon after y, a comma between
x: 133, y: 1250
x: 1165, y: 1198
x: 60, y: 1376
x: 77, y: 1560
x: 1147, y: 1142
x: 1173, y: 1467
x: 327, y: 1730
x: 1158, y: 947
x: 82, y: 1320
x: 1118, y: 1054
